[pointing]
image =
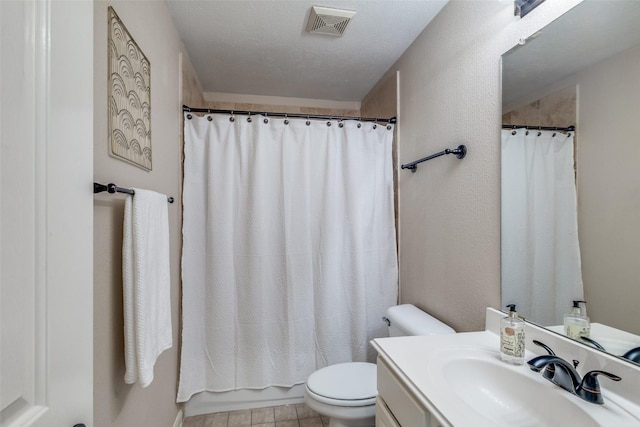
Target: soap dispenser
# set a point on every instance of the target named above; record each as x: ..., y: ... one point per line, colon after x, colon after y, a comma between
x: 576, y: 322
x: 512, y: 341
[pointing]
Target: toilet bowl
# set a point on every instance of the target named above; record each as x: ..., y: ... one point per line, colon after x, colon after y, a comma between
x: 346, y: 392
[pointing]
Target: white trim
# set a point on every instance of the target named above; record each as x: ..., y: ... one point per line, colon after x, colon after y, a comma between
x: 279, y: 100
x: 180, y: 85
x: 179, y: 419
x: 397, y: 189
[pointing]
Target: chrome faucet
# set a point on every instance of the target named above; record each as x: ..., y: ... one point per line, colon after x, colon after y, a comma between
x: 565, y: 375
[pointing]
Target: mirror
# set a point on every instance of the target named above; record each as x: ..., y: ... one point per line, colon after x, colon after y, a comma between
x: 584, y: 69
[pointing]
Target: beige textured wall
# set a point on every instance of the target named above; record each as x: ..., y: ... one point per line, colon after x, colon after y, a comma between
x: 609, y: 189
x: 116, y: 403
x: 450, y: 209
x: 382, y: 102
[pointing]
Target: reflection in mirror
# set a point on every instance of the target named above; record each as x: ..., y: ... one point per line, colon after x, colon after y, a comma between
x: 583, y: 70
x: 522, y: 7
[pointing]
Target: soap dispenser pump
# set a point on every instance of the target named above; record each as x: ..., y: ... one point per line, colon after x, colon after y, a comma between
x: 576, y: 322
x: 512, y: 341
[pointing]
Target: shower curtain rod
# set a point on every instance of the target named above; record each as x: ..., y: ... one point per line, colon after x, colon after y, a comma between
x: 559, y: 129
x: 112, y: 188
x: 294, y: 115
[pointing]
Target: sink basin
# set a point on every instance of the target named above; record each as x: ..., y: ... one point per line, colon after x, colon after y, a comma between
x: 460, y: 380
x: 508, y: 395
x: 475, y: 387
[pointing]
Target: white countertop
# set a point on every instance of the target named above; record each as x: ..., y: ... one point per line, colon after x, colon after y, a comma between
x: 420, y: 361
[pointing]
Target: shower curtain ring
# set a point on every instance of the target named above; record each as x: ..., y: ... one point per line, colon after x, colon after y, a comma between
x: 308, y: 121
x: 249, y: 119
x: 286, y: 119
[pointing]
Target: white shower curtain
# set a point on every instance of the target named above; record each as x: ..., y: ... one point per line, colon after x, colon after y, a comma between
x: 289, y: 254
x: 541, y: 270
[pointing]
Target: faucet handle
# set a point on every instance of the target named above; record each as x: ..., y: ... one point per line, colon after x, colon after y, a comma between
x: 589, y: 388
x: 550, y: 370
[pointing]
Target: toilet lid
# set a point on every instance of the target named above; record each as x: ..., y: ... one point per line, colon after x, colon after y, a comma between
x: 345, y: 381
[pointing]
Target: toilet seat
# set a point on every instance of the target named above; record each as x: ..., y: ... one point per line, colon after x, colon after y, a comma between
x: 344, y: 384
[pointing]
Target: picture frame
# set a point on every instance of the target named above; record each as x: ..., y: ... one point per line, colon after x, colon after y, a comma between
x: 129, y: 96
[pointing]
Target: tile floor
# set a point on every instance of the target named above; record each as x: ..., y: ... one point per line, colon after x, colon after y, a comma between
x: 299, y: 415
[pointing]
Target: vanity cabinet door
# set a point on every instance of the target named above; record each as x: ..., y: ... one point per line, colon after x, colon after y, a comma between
x: 405, y: 410
x: 384, y: 418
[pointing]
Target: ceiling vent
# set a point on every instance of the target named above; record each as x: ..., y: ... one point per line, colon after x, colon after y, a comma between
x: 326, y: 20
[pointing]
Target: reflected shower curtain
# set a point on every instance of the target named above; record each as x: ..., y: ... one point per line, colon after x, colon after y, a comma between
x: 289, y: 253
x: 541, y: 271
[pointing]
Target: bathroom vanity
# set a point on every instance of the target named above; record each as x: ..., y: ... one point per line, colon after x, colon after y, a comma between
x: 460, y: 380
x: 396, y: 404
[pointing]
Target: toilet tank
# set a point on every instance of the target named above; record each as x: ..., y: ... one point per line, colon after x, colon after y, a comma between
x: 407, y: 320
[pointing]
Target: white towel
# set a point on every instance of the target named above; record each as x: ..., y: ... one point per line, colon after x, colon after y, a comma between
x: 147, y: 283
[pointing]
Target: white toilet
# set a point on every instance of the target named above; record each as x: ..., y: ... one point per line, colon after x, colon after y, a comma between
x: 346, y: 392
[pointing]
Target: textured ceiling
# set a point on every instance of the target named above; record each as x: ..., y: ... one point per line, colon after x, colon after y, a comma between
x: 260, y: 47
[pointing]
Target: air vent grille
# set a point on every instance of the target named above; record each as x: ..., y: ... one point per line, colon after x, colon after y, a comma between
x: 326, y: 20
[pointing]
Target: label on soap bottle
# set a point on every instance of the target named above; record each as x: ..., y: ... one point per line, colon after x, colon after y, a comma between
x: 512, y: 341
x: 577, y: 328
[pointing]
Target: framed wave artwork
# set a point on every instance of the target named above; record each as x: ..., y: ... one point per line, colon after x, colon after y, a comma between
x: 129, y: 97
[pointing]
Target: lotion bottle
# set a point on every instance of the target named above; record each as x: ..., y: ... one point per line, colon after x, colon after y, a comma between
x: 576, y: 323
x: 512, y: 341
